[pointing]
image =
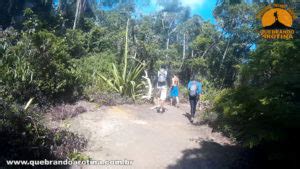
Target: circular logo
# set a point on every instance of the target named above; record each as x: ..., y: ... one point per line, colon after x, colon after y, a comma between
x: 277, y: 17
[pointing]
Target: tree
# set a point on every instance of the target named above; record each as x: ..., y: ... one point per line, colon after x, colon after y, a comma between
x: 237, y: 22
x: 262, y: 111
x: 11, y: 12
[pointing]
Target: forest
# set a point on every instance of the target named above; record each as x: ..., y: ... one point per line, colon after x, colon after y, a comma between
x: 54, y: 52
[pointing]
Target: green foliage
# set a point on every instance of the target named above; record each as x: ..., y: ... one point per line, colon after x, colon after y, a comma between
x: 263, y: 109
x: 12, y: 12
x: 209, y: 92
x: 77, y: 156
x: 237, y: 21
x: 42, y: 60
x: 76, y: 41
x: 98, y: 40
x: 37, y: 66
x: 24, y: 136
x: 129, y: 85
x: 126, y: 81
x: 31, y: 23
x: 87, y: 70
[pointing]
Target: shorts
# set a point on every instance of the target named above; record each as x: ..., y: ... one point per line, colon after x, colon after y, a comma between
x: 163, y: 94
x: 161, y: 84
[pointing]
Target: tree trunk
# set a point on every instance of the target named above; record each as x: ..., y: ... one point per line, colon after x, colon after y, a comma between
x: 59, y: 6
x: 183, y: 51
x: 149, y: 86
x: 225, y: 53
x: 77, y: 13
x: 184, y: 44
x: 11, y: 3
x: 205, y: 52
x: 167, y: 46
x: 192, y: 53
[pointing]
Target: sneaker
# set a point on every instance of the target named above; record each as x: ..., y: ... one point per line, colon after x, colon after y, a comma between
x: 192, y: 119
x: 158, y: 110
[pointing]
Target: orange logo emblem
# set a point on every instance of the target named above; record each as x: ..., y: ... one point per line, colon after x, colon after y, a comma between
x: 277, y: 21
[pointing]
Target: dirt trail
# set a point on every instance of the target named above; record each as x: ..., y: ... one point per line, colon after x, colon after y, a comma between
x: 152, y: 140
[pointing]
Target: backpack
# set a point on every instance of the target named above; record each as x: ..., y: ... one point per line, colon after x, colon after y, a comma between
x: 193, y: 89
x: 162, y: 77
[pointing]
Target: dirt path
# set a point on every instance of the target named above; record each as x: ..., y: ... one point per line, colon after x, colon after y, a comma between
x: 152, y: 140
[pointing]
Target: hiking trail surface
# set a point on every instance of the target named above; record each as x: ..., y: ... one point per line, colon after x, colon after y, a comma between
x: 151, y: 140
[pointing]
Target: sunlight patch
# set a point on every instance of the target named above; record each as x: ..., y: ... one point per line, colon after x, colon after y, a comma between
x: 140, y: 122
x: 188, y: 3
x: 192, y: 3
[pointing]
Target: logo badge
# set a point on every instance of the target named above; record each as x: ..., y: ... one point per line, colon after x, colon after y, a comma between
x: 277, y: 21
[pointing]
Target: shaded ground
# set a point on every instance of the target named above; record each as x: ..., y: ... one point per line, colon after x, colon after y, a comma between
x: 152, y: 140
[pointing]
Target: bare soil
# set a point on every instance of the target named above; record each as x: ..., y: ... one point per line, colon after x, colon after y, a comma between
x: 151, y: 140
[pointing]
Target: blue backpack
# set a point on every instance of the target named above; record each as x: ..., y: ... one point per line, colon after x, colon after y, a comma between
x: 193, y: 89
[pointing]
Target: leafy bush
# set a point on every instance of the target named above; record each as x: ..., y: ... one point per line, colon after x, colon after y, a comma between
x: 76, y: 41
x: 66, y: 144
x: 98, y: 40
x: 263, y: 110
x: 88, y: 68
x: 183, y: 93
x: 37, y: 66
x: 207, y: 100
x: 23, y: 136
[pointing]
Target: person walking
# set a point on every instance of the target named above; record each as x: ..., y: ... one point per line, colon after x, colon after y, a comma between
x: 195, y: 90
x: 162, y: 87
x: 174, y: 93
